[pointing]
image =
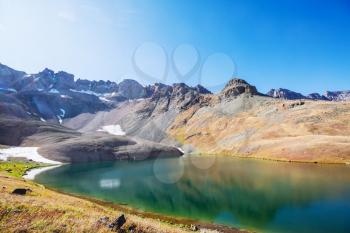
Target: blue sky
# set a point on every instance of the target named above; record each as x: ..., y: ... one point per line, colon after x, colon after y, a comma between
x: 300, y: 45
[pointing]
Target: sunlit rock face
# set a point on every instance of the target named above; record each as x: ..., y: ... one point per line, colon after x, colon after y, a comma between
x: 237, y: 87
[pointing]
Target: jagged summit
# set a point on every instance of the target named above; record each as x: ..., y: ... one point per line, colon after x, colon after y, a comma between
x: 237, y: 87
x: 202, y: 89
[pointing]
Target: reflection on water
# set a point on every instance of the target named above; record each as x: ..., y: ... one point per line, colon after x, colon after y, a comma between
x: 258, y: 195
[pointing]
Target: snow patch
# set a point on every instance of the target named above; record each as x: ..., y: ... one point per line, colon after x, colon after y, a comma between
x: 32, y: 173
x: 104, y: 99
x: 54, y: 91
x: 63, y: 112
x: 66, y: 97
x: 112, y: 129
x: 59, y: 119
x: 8, y: 89
x: 30, y: 153
x: 181, y: 150
x: 86, y: 92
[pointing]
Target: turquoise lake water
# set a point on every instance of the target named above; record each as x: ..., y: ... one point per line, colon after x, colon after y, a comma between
x: 252, y: 194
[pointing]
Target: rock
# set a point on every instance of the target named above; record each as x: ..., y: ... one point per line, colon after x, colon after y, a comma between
x: 103, y: 220
x: 132, y: 228
x: 194, y: 227
x: 21, y: 191
x: 281, y: 93
x: 22, y: 231
x: 118, y: 223
x: 237, y: 87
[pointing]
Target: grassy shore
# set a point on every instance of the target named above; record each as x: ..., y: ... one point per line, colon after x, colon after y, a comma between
x: 45, y: 210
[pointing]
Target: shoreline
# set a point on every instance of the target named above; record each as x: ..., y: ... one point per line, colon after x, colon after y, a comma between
x: 160, y: 217
x: 31, y: 173
x: 273, y: 160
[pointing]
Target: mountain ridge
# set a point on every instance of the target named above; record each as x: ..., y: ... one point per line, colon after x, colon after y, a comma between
x: 238, y: 121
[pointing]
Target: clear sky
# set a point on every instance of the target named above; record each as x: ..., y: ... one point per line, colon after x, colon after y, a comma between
x: 303, y: 45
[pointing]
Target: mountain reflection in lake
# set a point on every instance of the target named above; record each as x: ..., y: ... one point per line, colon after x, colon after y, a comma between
x: 258, y: 195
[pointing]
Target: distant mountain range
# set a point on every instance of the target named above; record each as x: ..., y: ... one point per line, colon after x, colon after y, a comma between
x: 54, y: 96
x: 291, y: 95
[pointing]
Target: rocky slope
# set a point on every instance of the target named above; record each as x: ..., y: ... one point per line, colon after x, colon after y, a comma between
x: 263, y: 127
x: 69, y: 146
x: 147, y: 118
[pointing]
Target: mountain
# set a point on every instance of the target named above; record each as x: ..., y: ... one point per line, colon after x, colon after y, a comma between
x: 238, y: 121
x: 291, y: 95
x: 147, y: 118
x: 53, y: 97
x: 338, y: 95
x: 255, y: 126
x: 285, y: 94
x: 317, y: 96
x: 33, y: 107
x: 237, y: 87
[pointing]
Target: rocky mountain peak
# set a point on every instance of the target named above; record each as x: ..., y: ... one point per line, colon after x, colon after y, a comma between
x: 47, y: 72
x: 8, y: 77
x: 202, y: 90
x: 282, y: 93
x: 64, y: 81
x: 237, y: 87
x: 131, y: 89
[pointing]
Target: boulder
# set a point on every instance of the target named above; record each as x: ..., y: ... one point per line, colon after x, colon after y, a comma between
x: 21, y: 191
x: 118, y: 223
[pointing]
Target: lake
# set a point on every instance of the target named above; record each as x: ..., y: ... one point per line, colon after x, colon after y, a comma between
x: 257, y: 195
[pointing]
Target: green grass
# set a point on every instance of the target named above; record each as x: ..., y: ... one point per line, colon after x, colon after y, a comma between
x: 18, y: 168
